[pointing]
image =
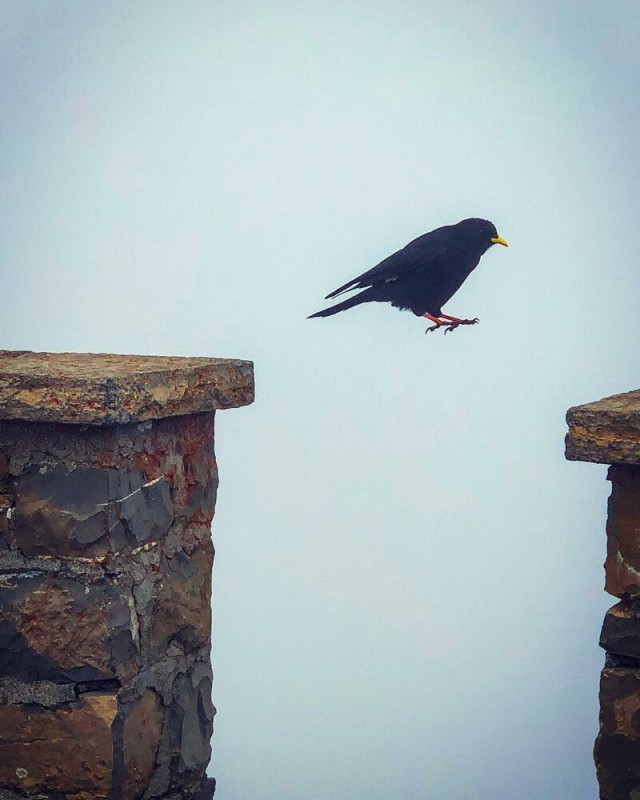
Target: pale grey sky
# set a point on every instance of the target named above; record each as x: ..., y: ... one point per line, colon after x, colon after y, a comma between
x: 408, y: 584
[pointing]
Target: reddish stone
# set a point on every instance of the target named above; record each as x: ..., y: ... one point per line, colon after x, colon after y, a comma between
x: 178, y: 450
x: 142, y: 732
x: 72, y: 635
x: 105, y: 389
x: 617, y: 749
x: 67, y: 750
x: 607, y: 431
x: 182, y: 608
x: 108, y: 484
x: 620, y: 634
x: 622, y: 567
x: 61, y: 630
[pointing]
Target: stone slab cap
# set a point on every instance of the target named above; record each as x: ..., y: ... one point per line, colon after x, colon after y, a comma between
x: 106, y: 389
x: 605, y: 432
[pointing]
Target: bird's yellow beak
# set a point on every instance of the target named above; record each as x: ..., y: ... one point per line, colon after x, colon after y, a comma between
x: 499, y: 240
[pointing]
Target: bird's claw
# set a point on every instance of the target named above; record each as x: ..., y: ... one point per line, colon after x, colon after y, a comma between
x: 453, y: 325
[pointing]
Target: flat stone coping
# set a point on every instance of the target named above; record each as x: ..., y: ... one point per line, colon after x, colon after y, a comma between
x: 106, y: 389
x: 605, y: 432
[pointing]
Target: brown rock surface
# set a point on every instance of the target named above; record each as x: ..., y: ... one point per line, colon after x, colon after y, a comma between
x: 621, y: 630
x: 66, y: 750
x: 70, y: 631
x: 105, y: 389
x: 108, y: 484
x: 182, y: 606
x: 142, y: 732
x: 622, y: 567
x: 607, y: 431
x: 89, y: 512
x: 617, y: 750
x: 59, y: 629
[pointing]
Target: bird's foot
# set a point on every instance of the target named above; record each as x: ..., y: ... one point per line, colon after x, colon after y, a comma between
x: 453, y: 324
x: 450, y: 323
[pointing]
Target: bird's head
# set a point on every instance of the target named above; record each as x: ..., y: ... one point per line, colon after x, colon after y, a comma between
x: 480, y: 233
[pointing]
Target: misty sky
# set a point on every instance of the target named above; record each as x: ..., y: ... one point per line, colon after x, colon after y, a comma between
x: 408, y: 581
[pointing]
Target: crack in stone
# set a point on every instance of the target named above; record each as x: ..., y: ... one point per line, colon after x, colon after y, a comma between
x: 144, y: 548
x: 131, y: 494
x: 105, y: 685
x: 135, y: 621
x: 21, y: 573
x: 65, y: 511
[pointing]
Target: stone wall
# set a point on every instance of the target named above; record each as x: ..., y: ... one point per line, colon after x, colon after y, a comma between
x: 108, y: 485
x: 608, y: 432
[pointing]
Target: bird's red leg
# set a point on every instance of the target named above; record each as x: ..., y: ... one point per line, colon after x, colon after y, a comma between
x: 448, y: 322
x: 438, y: 322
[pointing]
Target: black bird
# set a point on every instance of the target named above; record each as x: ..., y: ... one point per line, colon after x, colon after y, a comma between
x: 425, y: 274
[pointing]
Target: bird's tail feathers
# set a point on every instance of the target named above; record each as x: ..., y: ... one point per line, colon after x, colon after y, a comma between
x: 342, y: 289
x: 363, y: 297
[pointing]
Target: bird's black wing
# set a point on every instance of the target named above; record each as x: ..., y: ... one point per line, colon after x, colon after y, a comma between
x: 422, y: 253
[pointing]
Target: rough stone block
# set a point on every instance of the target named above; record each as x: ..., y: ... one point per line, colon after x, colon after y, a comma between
x: 617, y: 749
x: 67, y: 750
x: 192, y: 699
x: 184, y: 750
x: 41, y: 693
x: 106, y: 389
x: 622, y: 566
x: 108, y: 485
x: 182, y: 605
x: 89, y: 512
x: 97, y: 491
x: 142, y: 732
x: 61, y: 630
x: 621, y: 630
x: 606, y: 432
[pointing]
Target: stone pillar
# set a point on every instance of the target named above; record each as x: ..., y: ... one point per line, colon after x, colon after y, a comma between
x: 608, y: 432
x: 107, y: 491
